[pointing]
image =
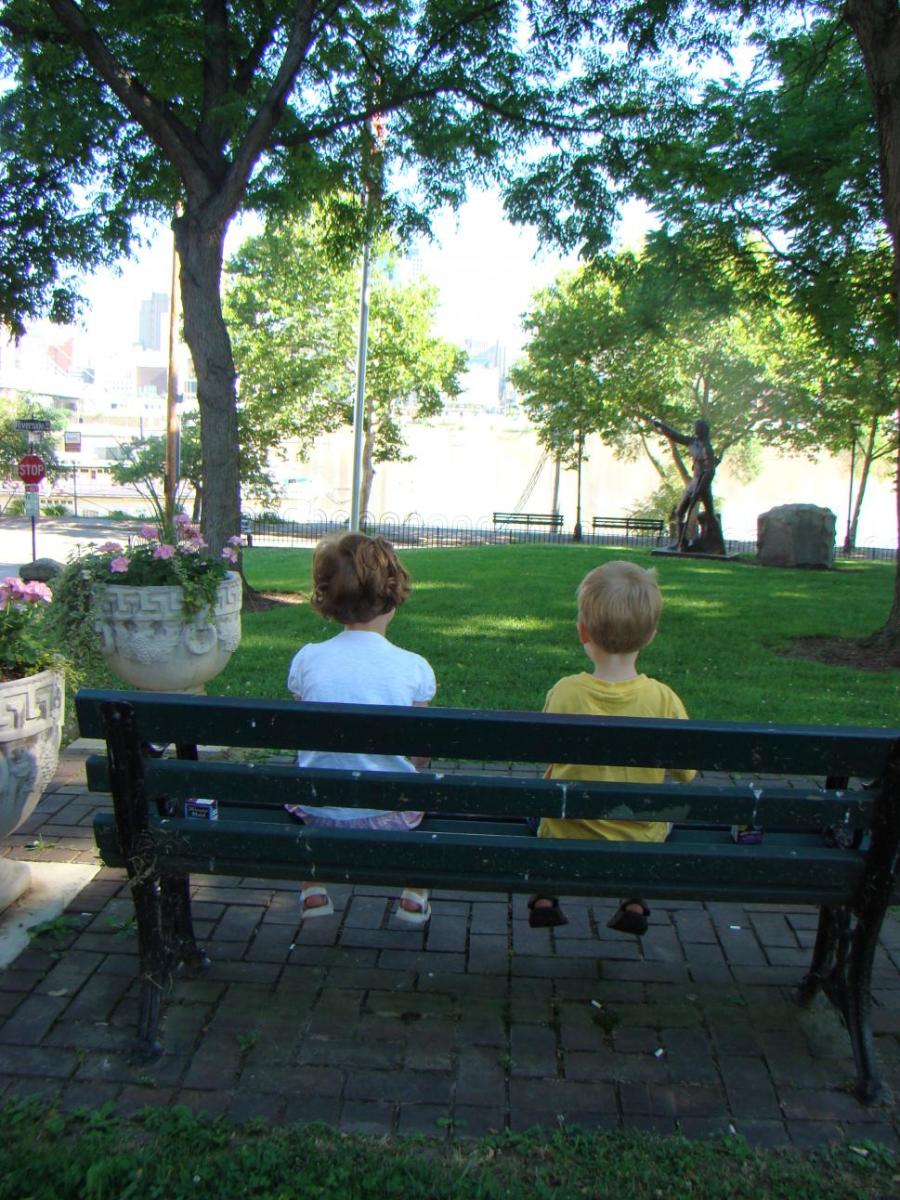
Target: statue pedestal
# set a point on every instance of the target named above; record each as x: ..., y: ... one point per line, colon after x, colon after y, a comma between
x: 708, y: 543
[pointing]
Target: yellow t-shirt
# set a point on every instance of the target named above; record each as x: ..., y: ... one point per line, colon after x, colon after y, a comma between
x: 638, y: 697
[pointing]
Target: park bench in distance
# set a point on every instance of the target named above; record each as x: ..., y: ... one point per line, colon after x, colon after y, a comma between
x: 552, y: 521
x: 630, y: 525
x: 823, y: 845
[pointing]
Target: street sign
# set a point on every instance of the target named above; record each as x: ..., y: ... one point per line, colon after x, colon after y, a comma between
x: 32, y: 487
x: 32, y: 425
x: 31, y: 468
x: 72, y: 441
x: 32, y: 504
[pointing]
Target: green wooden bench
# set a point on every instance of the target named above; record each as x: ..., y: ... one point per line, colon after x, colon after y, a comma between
x: 525, y: 520
x: 630, y: 525
x: 824, y: 845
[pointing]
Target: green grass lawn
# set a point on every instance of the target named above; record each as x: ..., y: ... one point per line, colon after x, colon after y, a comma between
x: 497, y: 624
x: 170, y: 1153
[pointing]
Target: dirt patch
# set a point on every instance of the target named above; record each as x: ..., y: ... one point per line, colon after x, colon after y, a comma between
x: 845, y: 652
x: 262, y: 601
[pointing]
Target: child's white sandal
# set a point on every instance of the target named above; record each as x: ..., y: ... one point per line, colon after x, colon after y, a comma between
x: 315, y: 910
x: 418, y: 916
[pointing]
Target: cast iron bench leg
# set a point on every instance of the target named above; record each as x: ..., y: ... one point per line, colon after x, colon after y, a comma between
x: 126, y: 771
x: 875, y: 895
x: 178, y: 923
x: 822, y: 958
x: 848, y: 984
x: 155, y: 975
x: 858, y: 1011
x: 175, y: 892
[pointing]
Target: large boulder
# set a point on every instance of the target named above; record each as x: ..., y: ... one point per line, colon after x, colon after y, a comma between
x: 42, y: 570
x: 796, y: 535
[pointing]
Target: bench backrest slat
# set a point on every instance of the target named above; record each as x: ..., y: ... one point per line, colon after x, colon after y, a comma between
x: 245, y: 786
x: 497, y: 736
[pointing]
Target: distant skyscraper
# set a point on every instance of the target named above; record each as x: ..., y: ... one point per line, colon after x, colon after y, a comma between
x: 150, y: 321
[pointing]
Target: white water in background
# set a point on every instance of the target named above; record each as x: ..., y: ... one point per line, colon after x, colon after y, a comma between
x: 464, y: 469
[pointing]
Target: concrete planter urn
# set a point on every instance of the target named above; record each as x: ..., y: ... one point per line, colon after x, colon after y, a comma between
x: 148, y: 641
x: 31, y: 717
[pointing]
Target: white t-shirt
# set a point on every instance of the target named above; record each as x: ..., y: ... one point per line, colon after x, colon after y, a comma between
x: 358, y: 667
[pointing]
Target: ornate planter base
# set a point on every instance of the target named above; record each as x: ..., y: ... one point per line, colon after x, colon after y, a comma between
x: 31, y: 715
x: 147, y: 641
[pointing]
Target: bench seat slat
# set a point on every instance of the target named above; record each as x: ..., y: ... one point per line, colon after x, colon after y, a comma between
x: 506, y: 736
x: 768, y: 873
x: 243, y: 784
x: 481, y: 826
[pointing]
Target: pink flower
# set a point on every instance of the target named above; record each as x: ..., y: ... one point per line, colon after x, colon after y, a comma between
x: 119, y: 565
x: 109, y: 548
x: 147, y: 531
x: 182, y: 519
x: 229, y: 553
x: 164, y: 551
x: 237, y: 540
x: 38, y: 591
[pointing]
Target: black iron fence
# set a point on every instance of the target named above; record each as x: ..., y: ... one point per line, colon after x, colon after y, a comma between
x: 412, y: 531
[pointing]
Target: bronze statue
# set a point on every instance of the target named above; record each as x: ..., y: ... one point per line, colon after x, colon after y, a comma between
x: 697, y: 491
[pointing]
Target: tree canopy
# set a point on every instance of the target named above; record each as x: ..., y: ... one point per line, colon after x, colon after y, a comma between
x: 292, y: 308
x: 622, y: 341
x: 188, y: 113
x: 799, y: 147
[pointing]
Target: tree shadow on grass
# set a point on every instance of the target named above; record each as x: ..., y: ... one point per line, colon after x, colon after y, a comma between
x: 857, y: 653
x: 255, y: 601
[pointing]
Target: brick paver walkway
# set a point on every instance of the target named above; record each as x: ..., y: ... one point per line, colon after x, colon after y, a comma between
x: 477, y: 1024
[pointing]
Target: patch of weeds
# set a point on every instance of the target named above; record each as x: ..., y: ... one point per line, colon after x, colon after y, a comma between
x: 122, y: 925
x: 57, y: 930
x: 505, y: 1061
x: 449, y: 1123
x: 40, y: 843
x: 247, y: 1041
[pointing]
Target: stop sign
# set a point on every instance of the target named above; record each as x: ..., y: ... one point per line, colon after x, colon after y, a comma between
x: 31, y: 468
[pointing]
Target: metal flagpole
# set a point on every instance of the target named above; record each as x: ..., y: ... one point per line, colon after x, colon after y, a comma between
x: 359, y: 405
x: 377, y: 130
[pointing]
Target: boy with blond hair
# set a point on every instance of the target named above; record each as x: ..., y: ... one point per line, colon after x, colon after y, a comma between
x: 619, y: 605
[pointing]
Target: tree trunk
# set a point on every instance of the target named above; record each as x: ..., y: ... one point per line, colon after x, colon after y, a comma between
x: 853, y: 527
x: 657, y: 465
x: 679, y: 463
x: 876, y: 25
x: 887, y: 639
x: 200, y: 249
